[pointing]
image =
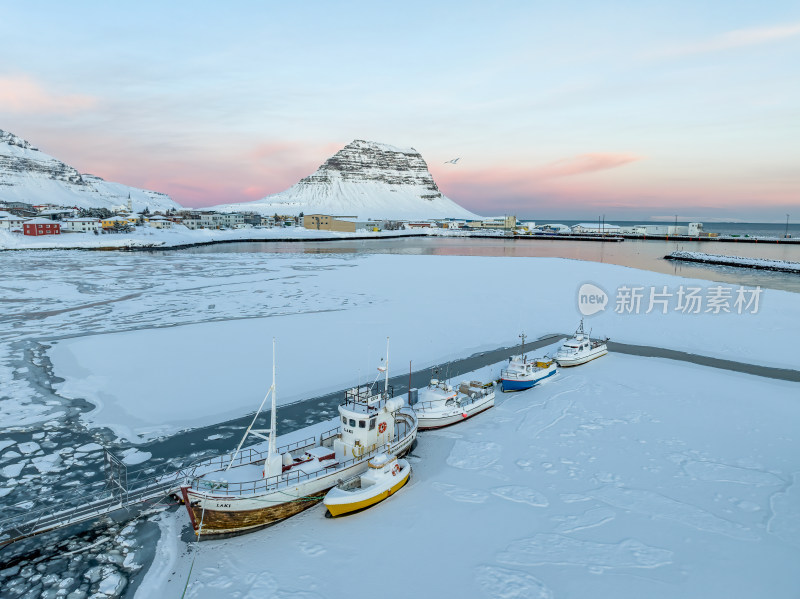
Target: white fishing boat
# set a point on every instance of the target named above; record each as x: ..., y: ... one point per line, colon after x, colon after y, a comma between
x: 440, y: 404
x: 581, y: 348
x: 251, y: 489
x: 523, y: 372
x: 385, y: 476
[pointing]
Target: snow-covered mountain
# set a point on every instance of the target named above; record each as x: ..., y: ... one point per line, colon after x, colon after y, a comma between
x: 30, y: 176
x: 367, y: 180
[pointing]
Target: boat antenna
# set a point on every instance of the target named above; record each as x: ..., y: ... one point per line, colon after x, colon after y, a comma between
x: 522, y: 336
x: 409, y: 382
x: 386, y: 380
x: 260, y: 432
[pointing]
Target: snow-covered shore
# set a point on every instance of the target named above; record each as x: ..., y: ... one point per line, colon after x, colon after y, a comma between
x: 716, y: 259
x: 627, y: 477
x: 179, y: 236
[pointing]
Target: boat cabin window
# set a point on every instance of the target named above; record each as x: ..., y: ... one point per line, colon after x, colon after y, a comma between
x: 371, y: 423
x: 362, y: 424
x: 352, y: 423
x: 344, y: 420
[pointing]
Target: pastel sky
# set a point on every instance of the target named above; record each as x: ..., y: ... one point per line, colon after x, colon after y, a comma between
x: 557, y: 109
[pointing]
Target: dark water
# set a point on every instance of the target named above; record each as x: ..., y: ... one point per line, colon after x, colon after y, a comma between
x: 645, y: 255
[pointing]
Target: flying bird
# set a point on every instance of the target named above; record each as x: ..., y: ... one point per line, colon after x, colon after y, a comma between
x: 453, y: 161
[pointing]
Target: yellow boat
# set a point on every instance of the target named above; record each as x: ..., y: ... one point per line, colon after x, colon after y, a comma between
x: 385, y: 476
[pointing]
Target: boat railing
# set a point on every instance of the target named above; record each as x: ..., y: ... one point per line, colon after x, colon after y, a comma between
x: 250, y: 455
x: 512, y: 374
x: 407, y: 419
x: 274, y: 483
x: 404, y: 419
x: 325, y: 437
x: 461, y: 399
x: 364, y: 396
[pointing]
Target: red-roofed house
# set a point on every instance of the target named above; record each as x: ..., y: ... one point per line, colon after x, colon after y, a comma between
x: 41, y: 226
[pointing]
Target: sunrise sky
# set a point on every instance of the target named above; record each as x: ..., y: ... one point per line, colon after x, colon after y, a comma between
x: 557, y: 109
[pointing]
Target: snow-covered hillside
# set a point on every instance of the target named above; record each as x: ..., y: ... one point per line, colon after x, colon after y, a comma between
x: 30, y: 176
x: 367, y: 180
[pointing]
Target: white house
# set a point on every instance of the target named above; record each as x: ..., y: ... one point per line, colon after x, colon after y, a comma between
x: 83, y: 225
x: 595, y: 228
x: 11, y: 221
x: 695, y: 229
x: 159, y: 222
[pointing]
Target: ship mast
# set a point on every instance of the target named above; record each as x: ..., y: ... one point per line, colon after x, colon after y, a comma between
x: 260, y: 432
x: 273, y: 416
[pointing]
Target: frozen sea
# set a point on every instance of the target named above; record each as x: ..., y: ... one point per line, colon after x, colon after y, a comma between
x: 136, y: 352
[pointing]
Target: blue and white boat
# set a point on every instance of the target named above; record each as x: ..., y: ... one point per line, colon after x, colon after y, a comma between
x: 523, y: 372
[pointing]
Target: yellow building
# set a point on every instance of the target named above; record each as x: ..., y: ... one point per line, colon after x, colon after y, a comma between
x: 500, y: 222
x: 325, y: 222
x: 108, y: 223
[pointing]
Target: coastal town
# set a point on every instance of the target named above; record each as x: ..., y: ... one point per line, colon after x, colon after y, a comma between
x: 50, y: 219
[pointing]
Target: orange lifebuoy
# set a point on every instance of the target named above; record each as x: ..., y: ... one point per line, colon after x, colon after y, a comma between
x: 382, y: 427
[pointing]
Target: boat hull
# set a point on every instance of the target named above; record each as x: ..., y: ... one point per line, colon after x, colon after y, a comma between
x: 521, y: 384
x: 432, y: 421
x: 577, y: 361
x: 337, y: 508
x: 217, y: 523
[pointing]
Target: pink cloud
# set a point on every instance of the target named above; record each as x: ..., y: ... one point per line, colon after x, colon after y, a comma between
x: 206, y: 176
x: 521, y: 180
x: 582, y: 164
x: 21, y: 94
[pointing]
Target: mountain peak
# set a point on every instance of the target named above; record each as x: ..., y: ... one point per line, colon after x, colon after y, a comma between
x: 367, y: 179
x: 363, y: 144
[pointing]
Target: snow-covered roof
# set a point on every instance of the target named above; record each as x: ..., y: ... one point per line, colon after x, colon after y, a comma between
x: 596, y: 226
x: 41, y: 221
x: 82, y: 220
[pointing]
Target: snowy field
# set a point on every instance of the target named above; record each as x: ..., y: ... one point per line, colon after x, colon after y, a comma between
x: 331, y: 316
x: 627, y: 477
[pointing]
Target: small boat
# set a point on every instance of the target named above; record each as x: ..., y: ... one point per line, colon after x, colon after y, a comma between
x: 523, y: 372
x: 440, y: 404
x: 252, y: 488
x: 581, y: 348
x: 385, y: 476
